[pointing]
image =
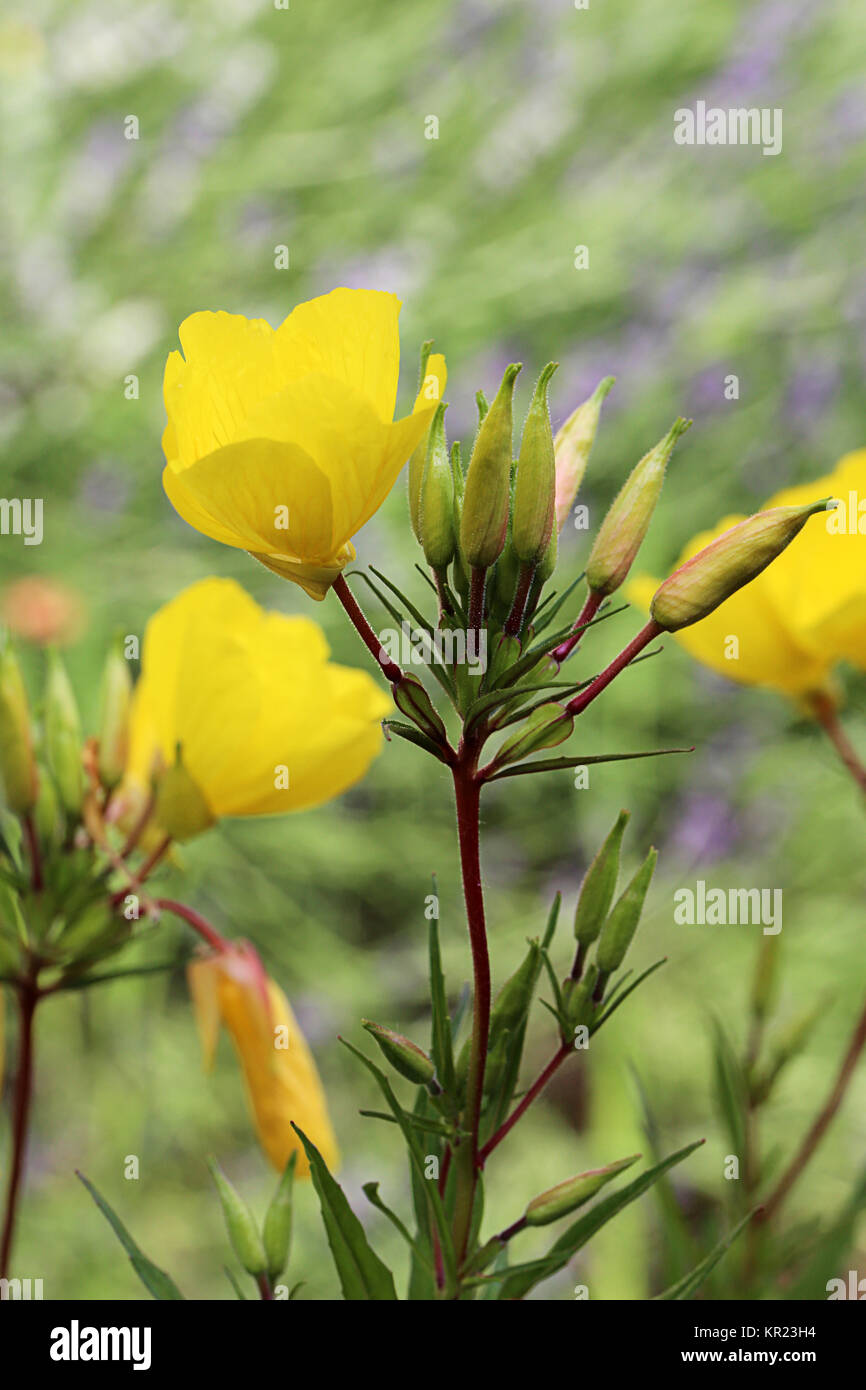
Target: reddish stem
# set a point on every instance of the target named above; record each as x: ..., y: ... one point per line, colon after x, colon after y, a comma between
x: 820, y: 1125
x: 196, y: 921
x: 591, y: 605
x: 619, y: 663
x: 535, y: 1090
x: 827, y: 716
x: 389, y: 668
x: 476, y: 600
x: 467, y: 792
x: 514, y: 622
x: 28, y: 997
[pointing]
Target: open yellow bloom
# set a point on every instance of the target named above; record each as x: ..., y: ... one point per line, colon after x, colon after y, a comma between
x: 806, y: 611
x: 282, y: 441
x: 282, y: 1082
x: 239, y: 712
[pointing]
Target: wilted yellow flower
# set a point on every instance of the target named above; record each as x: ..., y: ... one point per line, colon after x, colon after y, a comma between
x: 282, y: 441
x: 806, y: 611
x: 282, y: 1082
x: 239, y: 712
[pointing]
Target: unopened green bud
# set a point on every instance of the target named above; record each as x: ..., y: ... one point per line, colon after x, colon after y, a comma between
x: 412, y: 699
x: 93, y: 932
x: 240, y: 1224
x: 578, y: 1004
x: 621, y: 533
x: 567, y: 1196
x: 513, y: 1000
x: 765, y: 982
x: 63, y: 735
x: 277, y: 1230
x: 46, y: 813
x: 181, y: 808
x: 728, y: 563
x: 535, y: 489
x: 405, y: 1057
x: 545, y: 727
x: 436, y: 505
x: 571, y: 448
x: 547, y: 563
x: 599, y: 886
x: 505, y: 579
x: 116, y: 698
x: 487, y: 492
x: 17, y: 764
x: 621, y: 925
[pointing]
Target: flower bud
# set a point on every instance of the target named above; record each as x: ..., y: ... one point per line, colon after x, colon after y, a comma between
x: 487, y: 491
x: 627, y: 521
x: 181, y: 808
x: 405, y: 1056
x: 535, y: 489
x: 46, y: 813
x: 567, y: 1196
x: 727, y: 563
x: 17, y: 764
x: 572, y: 446
x: 277, y: 1230
x: 240, y: 1224
x: 436, y: 505
x: 546, y: 727
x: 513, y: 1000
x: 63, y: 735
x: 578, y: 1005
x: 412, y: 699
x: 430, y: 387
x: 115, y: 701
x: 599, y: 886
x: 621, y: 925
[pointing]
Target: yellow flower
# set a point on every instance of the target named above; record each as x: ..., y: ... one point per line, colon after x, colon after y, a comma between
x: 806, y: 611
x: 282, y: 441
x: 281, y: 1079
x: 239, y: 712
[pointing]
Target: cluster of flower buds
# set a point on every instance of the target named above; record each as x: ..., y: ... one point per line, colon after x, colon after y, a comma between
x: 55, y: 903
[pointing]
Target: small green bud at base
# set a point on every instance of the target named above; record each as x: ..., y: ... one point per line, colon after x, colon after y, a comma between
x: 277, y: 1229
x: 181, y: 808
x: 599, y: 886
x: 242, y: 1229
x: 621, y: 925
x: 487, y: 492
x: 622, y: 532
x: 405, y: 1056
x: 727, y: 564
x: 567, y: 1196
x: 545, y: 727
x: 513, y: 1000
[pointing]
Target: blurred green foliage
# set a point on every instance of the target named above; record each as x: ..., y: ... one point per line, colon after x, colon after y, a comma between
x: 258, y: 128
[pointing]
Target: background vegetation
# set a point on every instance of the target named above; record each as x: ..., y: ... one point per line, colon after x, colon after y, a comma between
x: 305, y: 127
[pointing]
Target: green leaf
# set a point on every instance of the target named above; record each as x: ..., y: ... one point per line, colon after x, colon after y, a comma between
x: 371, y: 1192
x: 691, y: 1282
x: 730, y: 1087
x: 449, y: 1259
x: 441, y: 1045
x: 158, y: 1284
x: 620, y: 996
x: 827, y: 1257
x: 556, y: 764
x: 582, y: 1230
x: 363, y: 1276
x: 232, y: 1278
x: 413, y: 735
